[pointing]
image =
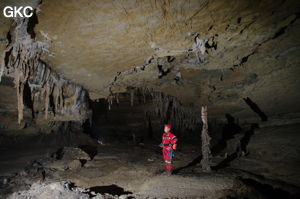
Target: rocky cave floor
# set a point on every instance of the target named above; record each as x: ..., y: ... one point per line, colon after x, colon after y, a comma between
x: 127, y: 170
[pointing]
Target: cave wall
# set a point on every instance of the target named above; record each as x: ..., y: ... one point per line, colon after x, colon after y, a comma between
x: 8, y: 105
x: 273, y: 152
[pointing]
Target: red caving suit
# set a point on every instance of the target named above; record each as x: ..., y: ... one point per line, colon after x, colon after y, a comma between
x: 169, y: 145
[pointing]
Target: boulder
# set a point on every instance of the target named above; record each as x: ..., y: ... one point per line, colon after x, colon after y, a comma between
x: 58, y: 165
x: 74, y: 165
x: 73, y: 153
x: 63, y: 165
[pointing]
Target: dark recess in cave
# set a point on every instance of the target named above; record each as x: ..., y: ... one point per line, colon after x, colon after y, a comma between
x: 31, y: 24
x: 28, y: 99
x: 7, y: 81
x: 8, y: 37
x: 256, y: 109
x: 269, y: 191
x: 91, y: 150
x: 246, y: 138
x: 170, y: 59
x: 111, y: 189
x: 282, y: 30
x: 214, y: 45
x: 230, y: 129
x: 162, y: 73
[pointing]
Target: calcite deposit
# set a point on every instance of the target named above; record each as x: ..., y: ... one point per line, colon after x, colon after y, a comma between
x: 22, y: 62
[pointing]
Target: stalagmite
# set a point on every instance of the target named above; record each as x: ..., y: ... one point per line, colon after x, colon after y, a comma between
x: 142, y: 92
x: 206, y: 154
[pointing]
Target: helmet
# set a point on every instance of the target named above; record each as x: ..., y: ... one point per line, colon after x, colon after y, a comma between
x: 169, y: 126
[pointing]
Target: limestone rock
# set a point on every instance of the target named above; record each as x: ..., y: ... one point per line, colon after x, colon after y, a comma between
x: 56, y: 190
x: 74, y: 165
x: 206, y: 52
x: 248, y: 51
x: 274, y: 153
x: 62, y: 165
x: 74, y: 153
x: 59, y: 165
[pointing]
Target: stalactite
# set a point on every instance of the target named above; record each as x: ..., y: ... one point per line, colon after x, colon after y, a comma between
x: 22, y: 61
x: 57, y: 98
x: 61, y: 97
x: 169, y: 109
x: 117, y: 98
x: 2, y: 68
x: 131, y: 96
x: 109, y: 101
x: 47, y: 95
x: 142, y: 93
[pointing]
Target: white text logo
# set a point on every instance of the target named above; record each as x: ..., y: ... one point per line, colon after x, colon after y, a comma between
x: 13, y: 11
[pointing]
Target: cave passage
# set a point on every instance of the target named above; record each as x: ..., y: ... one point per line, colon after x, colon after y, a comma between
x: 150, y: 99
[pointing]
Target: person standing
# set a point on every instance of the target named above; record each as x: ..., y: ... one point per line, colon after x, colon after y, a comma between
x: 169, y: 145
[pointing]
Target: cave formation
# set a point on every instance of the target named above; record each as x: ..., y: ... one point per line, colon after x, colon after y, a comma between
x: 86, y: 88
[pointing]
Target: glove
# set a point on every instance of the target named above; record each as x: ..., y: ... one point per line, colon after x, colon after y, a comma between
x: 174, y: 147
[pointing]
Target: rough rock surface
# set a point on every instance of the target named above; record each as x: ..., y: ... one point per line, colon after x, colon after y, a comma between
x: 73, y: 153
x: 274, y: 153
x: 125, y: 170
x: 39, y: 89
x: 62, y: 165
x: 71, y: 158
x: 203, y: 52
x: 55, y: 190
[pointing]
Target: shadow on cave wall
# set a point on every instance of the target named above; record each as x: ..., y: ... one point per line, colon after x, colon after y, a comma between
x: 230, y: 129
x: 243, y: 148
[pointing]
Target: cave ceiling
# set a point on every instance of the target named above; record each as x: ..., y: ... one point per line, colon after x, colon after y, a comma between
x: 203, y: 52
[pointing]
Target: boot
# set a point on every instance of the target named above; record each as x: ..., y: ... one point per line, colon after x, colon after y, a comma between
x: 169, y: 168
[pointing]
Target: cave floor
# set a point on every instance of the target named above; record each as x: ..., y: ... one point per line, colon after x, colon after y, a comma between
x: 14, y: 159
x: 138, y: 169
x: 134, y: 170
